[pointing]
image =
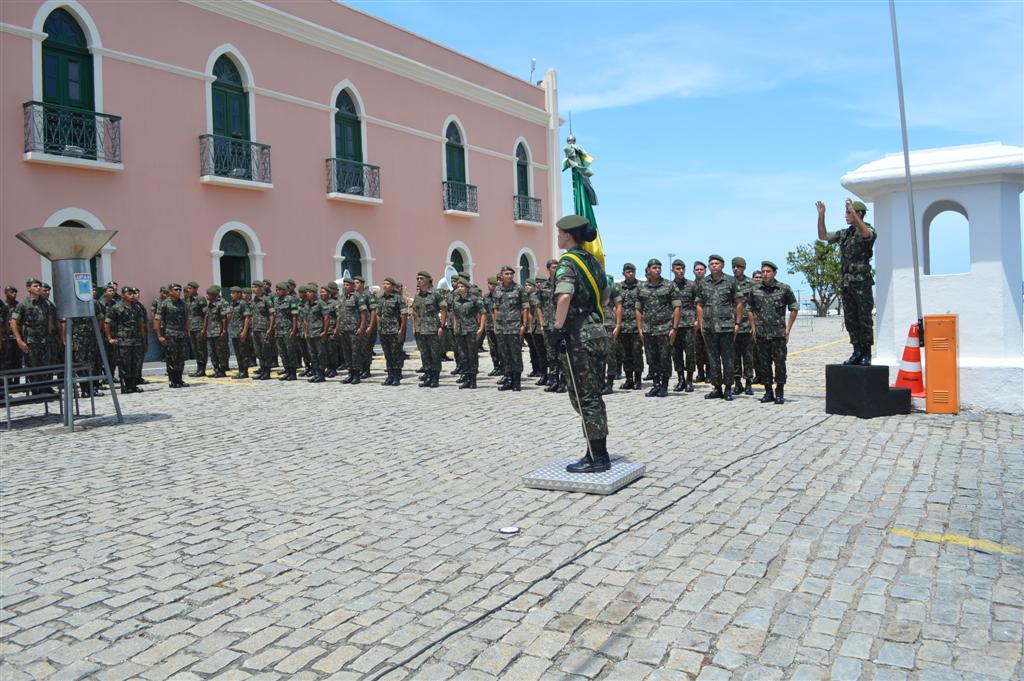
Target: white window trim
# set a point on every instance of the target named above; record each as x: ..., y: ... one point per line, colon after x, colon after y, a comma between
x: 105, y: 268
x: 467, y: 260
x: 92, y: 37
x: 529, y: 167
x: 248, y: 84
x: 71, y: 162
x: 364, y: 256
x: 529, y: 256
x: 256, y: 253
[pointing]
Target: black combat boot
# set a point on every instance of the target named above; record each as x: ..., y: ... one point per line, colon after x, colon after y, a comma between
x: 769, y: 394
x: 609, y: 385
x: 628, y: 383
x: 517, y: 381
x: 663, y: 390
x: 865, y: 356
x: 749, y: 390
x: 355, y: 377
x: 655, y: 387
x: 291, y: 374
x: 681, y: 385
x: 469, y: 383
x: 365, y: 373
x: 398, y: 377
x: 637, y: 382
x: 552, y: 384
x: 135, y: 386
x: 390, y: 380
x: 181, y: 381
x: 505, y: 378
x: 241, y: 373
x: 701, y: 376
x: 543, y: 379
x: 780, y: 396
x: 421, y: 370
x: 349, y: 378
x: 284, y: 374
x: 728, y: 394
x: 425, y: 379
x: 562, y: 387
x: 496, y: 371
x: 595, y: 461
x: 855, y: 357
x: 434, y: 376
x: 331, y: 373
x: 738, y: 390
x: 689, y: 382
x: 505, y: 382
x: 199, y: 372
x: 715, y: 394
x: 318, y: 376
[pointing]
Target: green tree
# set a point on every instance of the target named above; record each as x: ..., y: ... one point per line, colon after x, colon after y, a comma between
x: 818, y: 262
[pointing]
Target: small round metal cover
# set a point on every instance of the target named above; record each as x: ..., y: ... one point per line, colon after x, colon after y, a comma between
x: 510, y: 530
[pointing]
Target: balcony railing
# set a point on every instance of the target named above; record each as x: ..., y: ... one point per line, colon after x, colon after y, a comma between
x: 75, y: 133
x: 527, y: 208
x: 353, y: 177
x: 459, y: 196
x: 234, y: 158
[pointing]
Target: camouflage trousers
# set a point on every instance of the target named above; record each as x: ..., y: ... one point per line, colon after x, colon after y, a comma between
x: 632, y: 352
x: 10, y: 354
x: 659, y: 353
x: 743, y: 357
x: 550, y: 351
x: 259, y: 349
x: 243, y: 352
x: 607, y: 352
x: 538, y: 351
x: 720, y: 346
x: 217, y: 350
x: 288, y: 350
x: 430, y: 350
x: 466, y: 343
x: 303, y: 349
x: 198, y: 343
x: 858, y: 302
x: 771, y: 352
x: 318, y: 349
x: 348, y: 345
x: 392, y: 347
x: 684, y: 351
x: 175, y: 350
x: 510, y: 345
x: 582, y: 367
x: 38, y: 355
x: 493, y: 349
x: 129, y: 361
x: 366, y: 348
x: 702, y: 352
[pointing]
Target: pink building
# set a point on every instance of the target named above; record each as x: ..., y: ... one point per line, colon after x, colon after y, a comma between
x: 228, y: 141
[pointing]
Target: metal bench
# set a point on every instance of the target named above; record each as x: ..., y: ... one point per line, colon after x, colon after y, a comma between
x: 18, y: 390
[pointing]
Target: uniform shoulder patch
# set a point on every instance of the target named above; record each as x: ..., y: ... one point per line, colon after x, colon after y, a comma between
x: 562, y: 270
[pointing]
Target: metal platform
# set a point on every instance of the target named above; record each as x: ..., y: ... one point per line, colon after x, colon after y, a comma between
x: 554, y: 476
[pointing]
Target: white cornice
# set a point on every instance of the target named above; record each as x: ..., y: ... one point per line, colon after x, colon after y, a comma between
x: 292, y: 99
x: 152, y: 63
x: 307, y: 32
x: 22, y: 31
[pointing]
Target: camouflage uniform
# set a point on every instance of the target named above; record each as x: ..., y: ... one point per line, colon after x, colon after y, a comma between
x: 629, y: 339
x: 240, y: 310
x: 770, y: 306
x: 300, y: 335
x: 216, y: 345
x: 390, y: 310
x: 858, y: 300
x: 585, y: 338
x: 492, y: 338
x: 743, y: 367
x: 83, y: 344
x: 532, y: 331
x: 350, y: 307
x: 509, y: 303
x: 196, y: 312
x: 10, y: 354
x: 316, y: 325
x: 35, y: 324
x: 285, y: 309
x: 427, y: 306
x: 370, y: 337
x: 718, y: 297
x: 613, y: 298
x: 685, y: 351
x: 126, y: 322
x: 173, y: 317
x: 546, y: 293
x: 658, y: 302
x: 465, y: 317
x: 702, y: 346
x: 260, y: 308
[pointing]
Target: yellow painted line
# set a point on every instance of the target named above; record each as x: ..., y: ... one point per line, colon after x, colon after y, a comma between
x: 959, y: 539
x: 819, y: 347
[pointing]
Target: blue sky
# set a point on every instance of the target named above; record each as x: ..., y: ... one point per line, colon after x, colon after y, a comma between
x: 715, y: 126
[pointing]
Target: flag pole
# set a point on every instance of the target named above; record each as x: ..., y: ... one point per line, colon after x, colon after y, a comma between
x: 906, y: 164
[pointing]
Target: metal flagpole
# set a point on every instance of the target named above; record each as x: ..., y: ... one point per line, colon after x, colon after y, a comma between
x: 906, y: 164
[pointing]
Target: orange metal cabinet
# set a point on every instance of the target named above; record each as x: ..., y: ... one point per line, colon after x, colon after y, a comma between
x: 941, y: 364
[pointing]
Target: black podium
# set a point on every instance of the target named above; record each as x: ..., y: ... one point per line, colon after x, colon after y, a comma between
x: 863, y: 392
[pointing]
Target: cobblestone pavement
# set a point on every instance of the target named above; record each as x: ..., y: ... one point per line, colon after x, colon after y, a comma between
x: 292, y: 531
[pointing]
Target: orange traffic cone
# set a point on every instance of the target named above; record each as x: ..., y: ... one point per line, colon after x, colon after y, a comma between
x: 910, y: 375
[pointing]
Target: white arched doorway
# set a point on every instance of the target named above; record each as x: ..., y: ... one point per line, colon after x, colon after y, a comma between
x: 526, y: 265
x: 241, y: 235
x: 351, y: 246
x: 459, y: 257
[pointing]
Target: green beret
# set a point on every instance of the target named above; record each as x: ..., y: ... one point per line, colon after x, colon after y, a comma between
x: 859, y: 205
x: 348, y: 280
x: 492, y: 280
x: 508, y: 268
x: 304, y: 288
x: 677, y: 261
x: 333, y: 286
x: 173, y: 286
x: 193, y: 284
x: 570, y: 222
x: 629, y: 266
x: 424, y: 273
x: 739, y: 262
x: 359, y: 278
x: 653, y: 261
x: 715, y: 256
x: 283, y: 285
x: 698, y: 262
x: 12, y: 288
x: 552, y: 262
x: 540, y: 280
x: 769, y: 263
x: 247, y: 289
x: 46, y: 285
x: 390, y: 280
x: 235, y: 289
x: 164, y: 289
x: 213, y: 290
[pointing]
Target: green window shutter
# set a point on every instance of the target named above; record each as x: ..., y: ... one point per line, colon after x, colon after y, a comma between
x: 522, y: 179
x: 348, y: 138
x: 456, y: 161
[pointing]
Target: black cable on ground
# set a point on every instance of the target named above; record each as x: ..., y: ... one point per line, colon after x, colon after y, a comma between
x: 569, y: 561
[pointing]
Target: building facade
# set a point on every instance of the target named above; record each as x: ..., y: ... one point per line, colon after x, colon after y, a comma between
x: 230, y: 141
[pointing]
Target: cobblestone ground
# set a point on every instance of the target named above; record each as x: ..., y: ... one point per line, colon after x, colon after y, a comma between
x: 292, y: 531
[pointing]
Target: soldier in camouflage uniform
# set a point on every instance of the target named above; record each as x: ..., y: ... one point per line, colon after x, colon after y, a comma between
x: 10, y: 355
x: 261, y: 338
x: 612, y: 304
x: 333, y: 360
x: 300, y: 337
x: 767, y: 305
x: 630, y: 342
x: 125, y: 327
x: 56, y: 340
x: 196, y: 305
x: 84, y: 349
x: 245, y: 338
x: 370, y: 337
x: 429, y: 314
x: 492, y: 338
x: 719, y: 308
x: 856, y: 243
x: 511, y: 315
x: 352, y: 320
x: 315, y: 329
x: 658, y: 310
x: 215, y: 331
x: 170, y: 321
x: 284, y: 322
x: 32, y: 326
x: 391, y: 314
x: 468, y: 314
x: 685, y: 348
x: 530, y: 288
x: 241, y: 321
x: 699, y: 270
x: 546, y: 293
x: 743, y: 352
x: 579, y: 336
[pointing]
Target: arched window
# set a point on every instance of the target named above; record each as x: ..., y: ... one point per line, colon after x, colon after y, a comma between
x: 348, y: 138
x: 525, y: 274
x: 229, y: 100
x: 67, y: 82
x: 351, y: 259
x: 455, y: 154
x: 522, y: 171
x: 94, y: 262
x: 234, y: 263
x: 458, y: 260
x: 947, y: 239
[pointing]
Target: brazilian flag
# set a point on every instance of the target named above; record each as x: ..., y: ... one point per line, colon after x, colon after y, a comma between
x: 584, y: 198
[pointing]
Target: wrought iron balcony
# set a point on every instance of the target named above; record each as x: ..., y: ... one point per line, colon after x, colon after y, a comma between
x: 459, y: 196
x: 234, y: 159
x: 527, y: 208
x: 353, y: 178
x: 74, y: 133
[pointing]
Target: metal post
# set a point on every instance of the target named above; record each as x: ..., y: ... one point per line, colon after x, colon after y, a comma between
x: 906, y: 164
x: 69, y: 378
x: 108, y: 374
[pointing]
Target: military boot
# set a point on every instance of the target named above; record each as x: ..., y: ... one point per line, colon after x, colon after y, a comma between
x: 609, y: 385
x: 681, y: 385
x: 689, y: 381
x: 505, y: 378
x: 865, y: 356
x: 496, y: 371
x: 628, y: 383
x: 715, y: 394
x: 181, y: 381
x: 596, y: 460
x: 331, y: 373
x: 552, y: 383
x: 769, y: 394
x: 349, y: 378
x: 738, y: 390
x: 749, y: 390
x: 425, y: 379
x: 291, y: 375
x: 505, y: 383
x: 780, y: 396
x: 397, y: 377
x: 728, y: 394
x: 469, y: 383
x: 199, y: 372
x: 855, y: 357
x: 701, y: 376
x: 663, y: 389
x: 517, y: 381
x: 355, y: 377
x: 434, y: 376
x: 562, y: 387
x: 655, y: 387
x: 543, y: 379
